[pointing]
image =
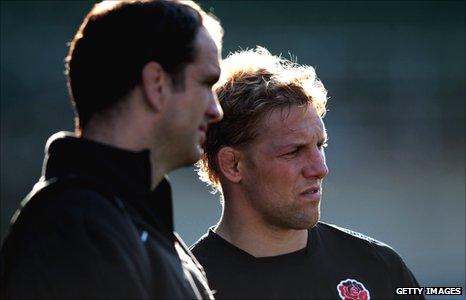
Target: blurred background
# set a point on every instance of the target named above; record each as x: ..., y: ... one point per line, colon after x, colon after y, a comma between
x: 395, y: 72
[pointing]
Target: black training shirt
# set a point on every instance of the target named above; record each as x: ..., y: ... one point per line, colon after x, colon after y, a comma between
x: 335, y: 264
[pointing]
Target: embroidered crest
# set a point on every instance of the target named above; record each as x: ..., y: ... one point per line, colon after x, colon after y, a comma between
x: 350, y: 289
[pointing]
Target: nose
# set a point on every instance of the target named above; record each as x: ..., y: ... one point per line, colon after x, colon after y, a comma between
x: 315, y: 166
x: 214, y: 112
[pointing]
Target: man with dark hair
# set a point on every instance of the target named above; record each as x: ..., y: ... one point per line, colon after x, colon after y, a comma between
x: 98, y: 224
x: 266, y: 156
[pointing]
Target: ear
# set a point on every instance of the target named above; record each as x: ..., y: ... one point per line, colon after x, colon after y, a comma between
x: 228, y: 159
x: 154, y: 84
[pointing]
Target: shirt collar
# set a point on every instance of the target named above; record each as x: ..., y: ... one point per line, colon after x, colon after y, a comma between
x: 234, y: 250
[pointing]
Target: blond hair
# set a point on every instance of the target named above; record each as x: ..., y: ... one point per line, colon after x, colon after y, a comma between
x: 254, y: 83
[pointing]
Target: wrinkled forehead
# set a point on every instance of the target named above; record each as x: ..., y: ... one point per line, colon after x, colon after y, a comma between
x: 289, y: 125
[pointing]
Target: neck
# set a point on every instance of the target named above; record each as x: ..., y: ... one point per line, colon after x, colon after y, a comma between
x: 242, y: 227
x: 158, y: 171
x: 122, y: 137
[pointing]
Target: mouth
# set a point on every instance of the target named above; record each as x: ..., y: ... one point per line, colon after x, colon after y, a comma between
x: 202, y: 129
x: 313, y: 193
x: 312, y: 190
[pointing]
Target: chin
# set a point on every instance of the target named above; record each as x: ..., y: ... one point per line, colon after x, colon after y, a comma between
x: 194, y: 156
x: 313, y: 224
x: 300, y: 222
x: 307, y: 225
x: 306, y: 222
x: 186, y: 159
x: 197, y: 152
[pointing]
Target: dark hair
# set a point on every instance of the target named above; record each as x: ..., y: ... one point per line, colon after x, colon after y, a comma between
x: 116, y: 40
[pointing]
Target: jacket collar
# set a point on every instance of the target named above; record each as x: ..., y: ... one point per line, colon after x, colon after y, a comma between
x: 126, y: 173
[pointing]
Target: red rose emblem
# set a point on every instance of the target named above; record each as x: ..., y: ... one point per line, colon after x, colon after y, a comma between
x: 351, y: 289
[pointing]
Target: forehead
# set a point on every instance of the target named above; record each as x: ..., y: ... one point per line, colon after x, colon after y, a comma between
x: 207, y: 56
x: 294, y: 124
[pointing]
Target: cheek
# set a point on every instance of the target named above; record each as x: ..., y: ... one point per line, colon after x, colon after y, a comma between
x: 289, y: 168
x: 200, y: 101
x: 278, y: 175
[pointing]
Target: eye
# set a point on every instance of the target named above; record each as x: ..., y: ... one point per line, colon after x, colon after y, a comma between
x: 291, y: 153
x: 322, y: 145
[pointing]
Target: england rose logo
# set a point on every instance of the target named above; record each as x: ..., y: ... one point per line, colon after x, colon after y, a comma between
x: 351, y: 289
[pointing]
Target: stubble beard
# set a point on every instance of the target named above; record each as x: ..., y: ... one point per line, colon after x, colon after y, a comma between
x: 289, y: 217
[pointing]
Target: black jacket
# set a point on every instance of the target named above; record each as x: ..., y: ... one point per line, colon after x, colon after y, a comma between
x: 92, y: 229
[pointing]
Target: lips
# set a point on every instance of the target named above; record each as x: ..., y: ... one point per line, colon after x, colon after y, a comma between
x: 203, y: 127
x: 312, y: 190
x: 202, y: 134
x: 312, y: 194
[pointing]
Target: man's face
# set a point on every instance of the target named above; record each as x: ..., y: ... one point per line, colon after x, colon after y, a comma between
x: 195, y: 106
x: 283, y: 170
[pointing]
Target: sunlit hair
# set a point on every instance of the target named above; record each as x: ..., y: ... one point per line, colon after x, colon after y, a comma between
x: 254, y: 83
x: 118, y: 38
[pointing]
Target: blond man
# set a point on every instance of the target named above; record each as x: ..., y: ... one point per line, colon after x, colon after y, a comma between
x: 267, y: 158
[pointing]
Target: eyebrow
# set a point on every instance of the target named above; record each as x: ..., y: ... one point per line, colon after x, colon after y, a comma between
x: 323, y: 139
x: 325, y: 136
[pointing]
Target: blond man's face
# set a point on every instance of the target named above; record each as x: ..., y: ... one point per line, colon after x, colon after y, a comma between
x: 283, y: 169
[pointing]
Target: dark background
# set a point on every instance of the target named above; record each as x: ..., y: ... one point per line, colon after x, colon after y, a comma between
x: 395, y: 72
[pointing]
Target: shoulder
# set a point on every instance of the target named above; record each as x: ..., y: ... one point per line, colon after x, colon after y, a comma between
x: 348, y: 234
x: 212, y: 250
x: 357, y: 241
x: 66, y: 200
x: 78, y: 221
x: 202, y: 246
x: 364, y: 248
x: 363, y: 245
x: 64, y: 209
